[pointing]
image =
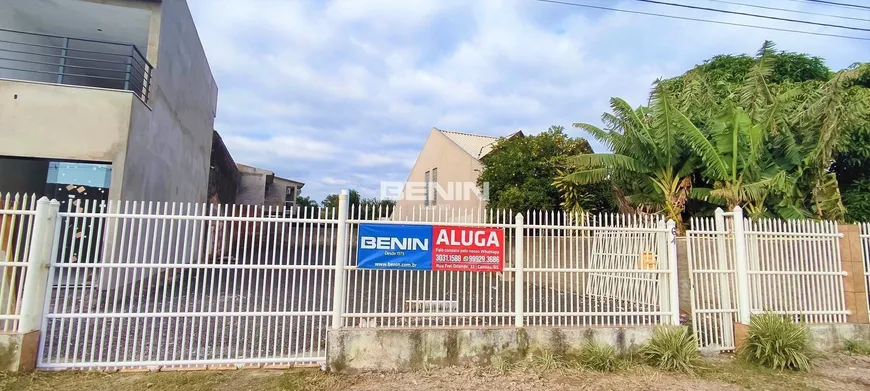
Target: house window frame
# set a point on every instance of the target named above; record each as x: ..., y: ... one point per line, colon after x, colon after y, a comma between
x: 435, y: 182
x: 426, y: 177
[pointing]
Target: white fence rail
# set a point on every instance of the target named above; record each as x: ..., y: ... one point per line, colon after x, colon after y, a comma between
x: 16, y: 223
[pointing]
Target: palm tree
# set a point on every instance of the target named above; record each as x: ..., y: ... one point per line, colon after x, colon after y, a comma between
x: 648, y: 159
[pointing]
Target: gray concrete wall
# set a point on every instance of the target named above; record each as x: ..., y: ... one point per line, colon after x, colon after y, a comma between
x: 66, y: 122
x: 252, y: 188
x: 170, y: 138
x: 407, y: 350
x: 18, y: 351
x: 14, y: 20
x: 832, y: 337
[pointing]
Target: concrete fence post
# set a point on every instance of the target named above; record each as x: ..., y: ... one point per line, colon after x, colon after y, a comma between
x: 22, y: 347
x: 725, y: 287
x: 38, y: 262
x: 519, y: 279
x: 741, y: 267
x: 339, y: 289
x: 673, y: 278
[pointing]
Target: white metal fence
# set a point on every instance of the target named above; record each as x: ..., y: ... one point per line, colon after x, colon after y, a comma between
x: 421, y: 299
x: 795, y: 268
x: 740, y: 267
x: 16, y: 223
x: 153, y: 284
x: 559, y: 271
x: 157, y: 284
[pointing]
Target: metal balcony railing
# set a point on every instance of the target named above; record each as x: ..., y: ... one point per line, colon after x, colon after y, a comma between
x: 83, y: 62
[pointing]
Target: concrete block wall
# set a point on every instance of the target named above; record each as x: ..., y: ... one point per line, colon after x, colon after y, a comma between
x: 353, y: 351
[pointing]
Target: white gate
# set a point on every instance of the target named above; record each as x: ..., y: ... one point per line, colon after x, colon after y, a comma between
x: 712, y: 273
x: 170, y: 285
x: 740, y: 267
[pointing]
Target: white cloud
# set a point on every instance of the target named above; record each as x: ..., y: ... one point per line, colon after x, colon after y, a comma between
x: 344, y: 93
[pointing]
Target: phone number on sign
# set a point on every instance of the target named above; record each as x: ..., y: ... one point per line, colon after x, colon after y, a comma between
x: 467, y: 258
x: 481, y: 259
x: 448, y: 258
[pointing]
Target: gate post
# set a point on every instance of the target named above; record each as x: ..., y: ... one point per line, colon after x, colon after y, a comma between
x: 38, y: 260
x: 673, y: 279
x: 741, y: 266
x: 519, y: 278
x: 722, y: 264
x: 338, y: 286
x: 42, y: 243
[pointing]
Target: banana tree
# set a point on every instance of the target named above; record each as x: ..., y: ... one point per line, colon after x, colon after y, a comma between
x: 648, y: 159
x: 736, y: 161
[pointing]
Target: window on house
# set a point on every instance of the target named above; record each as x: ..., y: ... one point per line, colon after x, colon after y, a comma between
x: 435, y: 186
x: 291, y: 194
x: 426, y: 201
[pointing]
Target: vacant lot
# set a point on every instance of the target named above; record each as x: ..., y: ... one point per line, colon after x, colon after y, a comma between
x: 836, y: 372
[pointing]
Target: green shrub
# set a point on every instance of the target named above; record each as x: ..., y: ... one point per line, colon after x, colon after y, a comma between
x: 857, y: 347
x: 673, y: 348
x: 598, y: 357
x: 776, y: 341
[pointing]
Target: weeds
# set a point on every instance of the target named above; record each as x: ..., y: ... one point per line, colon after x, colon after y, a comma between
x: 857, y: 347
x: 673, y: 349
x: 599, y: 357
x: 777, y: 342
x: 502, y: 364
x: 543, y: 362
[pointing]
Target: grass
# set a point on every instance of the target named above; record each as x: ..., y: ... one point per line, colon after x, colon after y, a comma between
x: 753, y: 377
x: 673, y: 349
x: 857, y: 347
x: 717, y: 373
x: 543, y: 361
x: 295, y: 379
x: 777, y: 342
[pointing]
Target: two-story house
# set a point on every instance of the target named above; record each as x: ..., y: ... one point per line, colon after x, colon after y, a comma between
x: 104, y: 99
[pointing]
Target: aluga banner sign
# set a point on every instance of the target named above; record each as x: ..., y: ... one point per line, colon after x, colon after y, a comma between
x: 430, y: 247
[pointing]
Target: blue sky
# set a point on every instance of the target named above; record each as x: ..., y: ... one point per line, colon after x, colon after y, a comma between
x: 342, y: 93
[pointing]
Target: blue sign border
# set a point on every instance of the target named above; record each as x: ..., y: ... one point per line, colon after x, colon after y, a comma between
x: 394, y: 247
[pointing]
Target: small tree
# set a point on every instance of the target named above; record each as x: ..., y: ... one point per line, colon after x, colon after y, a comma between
x: 521, y: 172
x: 305, y: 202
x: 331, y: 201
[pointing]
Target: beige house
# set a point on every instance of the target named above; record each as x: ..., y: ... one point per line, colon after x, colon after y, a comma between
x: 443, y: 181
x: 259, y: 186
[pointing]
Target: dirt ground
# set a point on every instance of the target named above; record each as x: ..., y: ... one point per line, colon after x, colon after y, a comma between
x: 834, y: 372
